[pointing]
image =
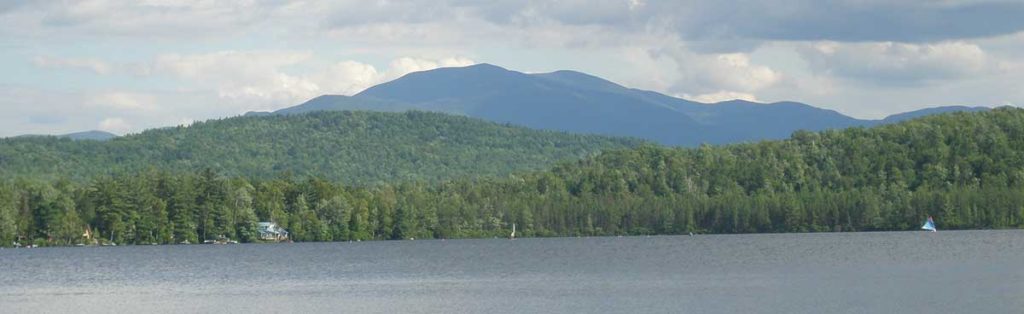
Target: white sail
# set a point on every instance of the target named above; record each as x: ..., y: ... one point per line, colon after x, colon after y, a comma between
x: 929, y: 225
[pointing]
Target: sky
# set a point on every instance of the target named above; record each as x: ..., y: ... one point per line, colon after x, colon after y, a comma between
x: 127, y: 66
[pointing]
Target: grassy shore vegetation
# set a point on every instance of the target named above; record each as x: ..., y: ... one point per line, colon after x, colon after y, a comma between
x: 965, y: 169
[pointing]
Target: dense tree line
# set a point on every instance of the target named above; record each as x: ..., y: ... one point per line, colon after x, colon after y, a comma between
x: 965, y: 169
x: 354, y: 147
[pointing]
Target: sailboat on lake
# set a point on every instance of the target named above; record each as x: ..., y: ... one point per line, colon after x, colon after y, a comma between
x: 929, y: 225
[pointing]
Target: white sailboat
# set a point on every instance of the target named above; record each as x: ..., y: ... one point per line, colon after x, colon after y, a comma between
x: 929, y: 225
x: 513, y: 235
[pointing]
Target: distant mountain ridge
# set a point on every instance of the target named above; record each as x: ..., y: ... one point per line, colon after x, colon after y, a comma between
x: 578, y: 102
x: 929, y: 111
x: 93, y: 135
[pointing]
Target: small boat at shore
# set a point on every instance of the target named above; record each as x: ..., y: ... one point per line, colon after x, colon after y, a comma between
x: 929, y: 225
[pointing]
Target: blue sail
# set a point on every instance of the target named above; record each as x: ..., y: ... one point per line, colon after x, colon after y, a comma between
x: 929, y: 224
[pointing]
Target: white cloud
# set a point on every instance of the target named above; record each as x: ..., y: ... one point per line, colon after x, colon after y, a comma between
x: 674, y: 69
x: 243, y: 79
x: 351, y: 77
x: 720, y: 96
x: 636, y: 4
x: 94, y: 65
x: 406, y: 65
x: 908, y: 20
x: 186, y: 121
x: 734, y: 71
x: 123, y: 101
x: 861, y: 57
x: 849, y: 21
x: 247, y: 80
x: 114, y: 125
x: 873, y: 80
x: 898, y: 63
x: 143, y: 19
x: 262, y: 80
x: 347, y: 78
x: 59, y: 111
x: 227, y: 63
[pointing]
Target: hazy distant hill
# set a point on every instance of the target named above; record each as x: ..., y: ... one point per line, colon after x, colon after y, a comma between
x: 90, y: 135
x: 578, y: 102
x: 354, y: 147
x: 930, y: 111
x: 87, y: 135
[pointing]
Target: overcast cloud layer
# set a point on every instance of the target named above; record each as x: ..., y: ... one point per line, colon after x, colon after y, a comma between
x: 125, y: 66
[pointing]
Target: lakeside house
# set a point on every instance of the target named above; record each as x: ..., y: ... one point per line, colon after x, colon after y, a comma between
x: 270, y: 231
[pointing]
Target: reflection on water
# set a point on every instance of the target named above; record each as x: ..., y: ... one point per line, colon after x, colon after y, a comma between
x: 950, y: 271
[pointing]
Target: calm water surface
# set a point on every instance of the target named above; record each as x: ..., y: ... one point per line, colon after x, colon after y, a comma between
x: 904, y: 272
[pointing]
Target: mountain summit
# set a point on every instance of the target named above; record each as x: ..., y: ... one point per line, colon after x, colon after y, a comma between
x: 578, y: 102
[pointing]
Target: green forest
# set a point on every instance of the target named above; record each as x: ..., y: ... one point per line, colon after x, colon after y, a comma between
x: 965, y: 169
x: 351, y: 147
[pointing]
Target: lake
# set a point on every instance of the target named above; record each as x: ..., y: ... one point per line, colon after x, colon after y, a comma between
x: 883, y: 272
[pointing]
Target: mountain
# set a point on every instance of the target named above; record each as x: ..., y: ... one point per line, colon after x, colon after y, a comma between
x: 578, y: 102
x: 542, y: 102
x: 353, y: 147
x: 86, y: 135
x: 90, y: 135
x: 930, y: 111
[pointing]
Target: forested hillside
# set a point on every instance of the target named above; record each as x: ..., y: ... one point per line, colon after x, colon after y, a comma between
x: 350, y: 147
x: 966, y: 169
